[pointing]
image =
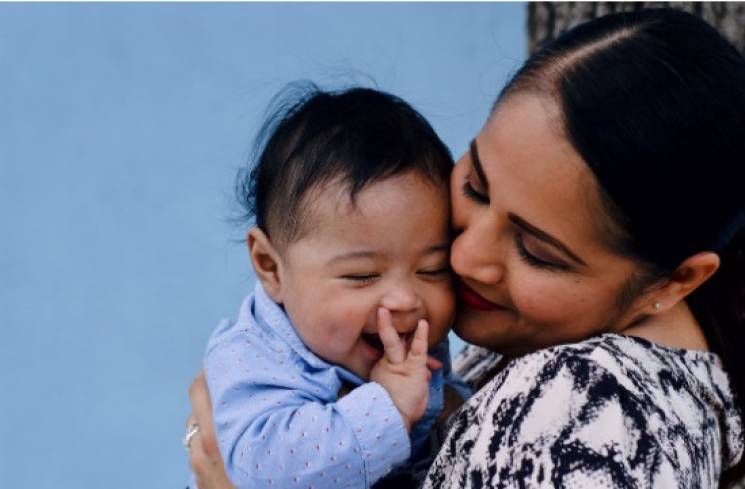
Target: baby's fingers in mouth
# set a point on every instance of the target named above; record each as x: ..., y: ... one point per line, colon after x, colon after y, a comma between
x: 373, y: 339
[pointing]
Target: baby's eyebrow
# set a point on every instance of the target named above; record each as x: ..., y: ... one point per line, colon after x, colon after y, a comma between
x: 351, y: 255
x: 372, y: 254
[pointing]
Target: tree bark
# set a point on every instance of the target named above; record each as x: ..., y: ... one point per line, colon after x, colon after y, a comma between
x: 546, y: 20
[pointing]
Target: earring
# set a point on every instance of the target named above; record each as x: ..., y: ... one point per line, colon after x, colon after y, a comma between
x: 657, y: 306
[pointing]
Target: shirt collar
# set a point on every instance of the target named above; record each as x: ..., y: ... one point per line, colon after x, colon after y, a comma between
x: 273, y: 316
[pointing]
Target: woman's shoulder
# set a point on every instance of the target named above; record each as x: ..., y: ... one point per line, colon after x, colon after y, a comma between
x: 629, y: 376
x: 633, y: 362
x: 606, y: 409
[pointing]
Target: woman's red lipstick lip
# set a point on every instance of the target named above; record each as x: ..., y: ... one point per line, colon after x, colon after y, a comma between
x: 474, y: 300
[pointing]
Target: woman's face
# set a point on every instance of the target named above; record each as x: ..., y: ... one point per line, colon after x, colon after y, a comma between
x: 533, y: 269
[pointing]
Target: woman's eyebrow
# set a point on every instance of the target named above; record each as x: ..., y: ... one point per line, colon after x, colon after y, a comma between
x: 544, y: 236
x: 477, y: 163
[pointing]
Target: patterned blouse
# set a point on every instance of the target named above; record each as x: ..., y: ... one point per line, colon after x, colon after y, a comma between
x: 612, y: 411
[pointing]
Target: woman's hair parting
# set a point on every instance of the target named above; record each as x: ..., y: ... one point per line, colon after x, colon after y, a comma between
x: 654, y: 102
x: 312, y: 138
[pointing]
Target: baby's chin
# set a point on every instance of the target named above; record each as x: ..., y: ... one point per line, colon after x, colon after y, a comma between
x: 361, y: 371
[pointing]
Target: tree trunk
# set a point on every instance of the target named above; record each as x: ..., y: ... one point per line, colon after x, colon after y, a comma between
x: 546, y: 20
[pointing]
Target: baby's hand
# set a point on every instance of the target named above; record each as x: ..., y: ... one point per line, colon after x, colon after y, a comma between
x: 404, y: 374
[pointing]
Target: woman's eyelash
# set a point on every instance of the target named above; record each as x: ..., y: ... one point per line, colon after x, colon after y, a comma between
x: 439, y: 271
x: 471, y: 193
x: 531, y: 259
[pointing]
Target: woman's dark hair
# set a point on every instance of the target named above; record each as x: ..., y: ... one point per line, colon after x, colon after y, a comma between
x: 354, y: 137
x: 654, y: 102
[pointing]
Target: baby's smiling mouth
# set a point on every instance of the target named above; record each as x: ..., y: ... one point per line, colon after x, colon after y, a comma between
x: 373, y: 340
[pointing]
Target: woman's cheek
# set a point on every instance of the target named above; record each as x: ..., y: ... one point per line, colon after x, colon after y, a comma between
x: 442, y: 319
x: 546, y: 301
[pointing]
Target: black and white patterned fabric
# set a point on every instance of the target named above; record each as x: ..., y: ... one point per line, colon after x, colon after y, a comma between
x: 612, y: 411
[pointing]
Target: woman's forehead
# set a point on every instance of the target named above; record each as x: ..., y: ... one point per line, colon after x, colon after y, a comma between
x: 534, y: 172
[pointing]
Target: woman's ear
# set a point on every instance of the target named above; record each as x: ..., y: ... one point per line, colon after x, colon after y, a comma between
x: 266, y: 263
x: 689, y: 275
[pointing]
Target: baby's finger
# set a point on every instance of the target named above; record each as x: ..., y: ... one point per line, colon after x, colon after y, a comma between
x: 395, y: 350
x: 418, y: 350
x: 433, y: 363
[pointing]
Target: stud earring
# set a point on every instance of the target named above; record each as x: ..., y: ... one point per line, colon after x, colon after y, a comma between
x: 657, y: 306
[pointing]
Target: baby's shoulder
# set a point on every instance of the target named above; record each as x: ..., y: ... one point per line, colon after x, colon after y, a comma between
x: 248, y: 341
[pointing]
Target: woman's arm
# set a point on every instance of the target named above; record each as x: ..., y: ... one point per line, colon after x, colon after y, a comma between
x: 204, y: 456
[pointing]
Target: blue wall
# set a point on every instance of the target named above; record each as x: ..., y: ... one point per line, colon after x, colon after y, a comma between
x: 121, y: 127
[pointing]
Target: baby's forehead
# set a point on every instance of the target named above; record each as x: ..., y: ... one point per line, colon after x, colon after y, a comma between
x: 404, y: 193
x: 396, y: 206
x: 339, y: 213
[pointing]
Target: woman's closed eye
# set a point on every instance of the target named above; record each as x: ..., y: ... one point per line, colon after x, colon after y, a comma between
x: 473, y: 195
x: 533, y: 260
x: 435, y: 273
x: 475, y: 187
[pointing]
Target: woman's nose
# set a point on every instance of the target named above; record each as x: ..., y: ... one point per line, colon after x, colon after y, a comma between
x: 478, y: 254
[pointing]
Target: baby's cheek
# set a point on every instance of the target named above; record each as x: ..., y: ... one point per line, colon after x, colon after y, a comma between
x: 346, y: 318
x: 441, y: 319
x: 344, y: 326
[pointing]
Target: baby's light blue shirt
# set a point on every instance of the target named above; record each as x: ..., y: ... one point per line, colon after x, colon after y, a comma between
x: 278, y: 417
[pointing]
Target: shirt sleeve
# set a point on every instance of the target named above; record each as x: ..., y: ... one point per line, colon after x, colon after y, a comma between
x: 451, y: 378
x: 550, y: 422
x: 276, y: 427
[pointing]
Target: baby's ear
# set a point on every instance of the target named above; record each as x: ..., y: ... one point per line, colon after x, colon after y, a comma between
x: 266, y: 263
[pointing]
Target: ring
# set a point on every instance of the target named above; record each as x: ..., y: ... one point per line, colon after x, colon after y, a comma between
x: 190, y: 432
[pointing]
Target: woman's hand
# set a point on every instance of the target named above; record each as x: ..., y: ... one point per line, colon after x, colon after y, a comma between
x: 204, y: 456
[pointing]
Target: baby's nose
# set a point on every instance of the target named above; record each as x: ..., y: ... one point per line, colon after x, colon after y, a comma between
x: 405, y: 323
x: 405, y: 304
x: 401, y: 299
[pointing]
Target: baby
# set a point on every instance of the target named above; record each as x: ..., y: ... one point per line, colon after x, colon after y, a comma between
x: 324, y: 380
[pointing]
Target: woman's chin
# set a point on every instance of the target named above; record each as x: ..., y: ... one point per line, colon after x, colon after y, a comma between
x: 487, y: 333
x: 475, y: 334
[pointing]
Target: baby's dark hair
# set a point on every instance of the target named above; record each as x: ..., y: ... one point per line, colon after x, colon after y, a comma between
x: 353, y: 137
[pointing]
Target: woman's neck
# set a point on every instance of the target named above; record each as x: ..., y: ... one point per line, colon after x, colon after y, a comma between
x: 676, y: 328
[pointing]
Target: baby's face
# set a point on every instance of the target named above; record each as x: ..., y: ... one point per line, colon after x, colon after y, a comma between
x: 388, y: 250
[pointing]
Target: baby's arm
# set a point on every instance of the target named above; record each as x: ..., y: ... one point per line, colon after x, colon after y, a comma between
x: 277, y: 427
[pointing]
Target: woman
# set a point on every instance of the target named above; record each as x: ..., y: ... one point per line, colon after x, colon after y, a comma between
x: 600, y: 245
